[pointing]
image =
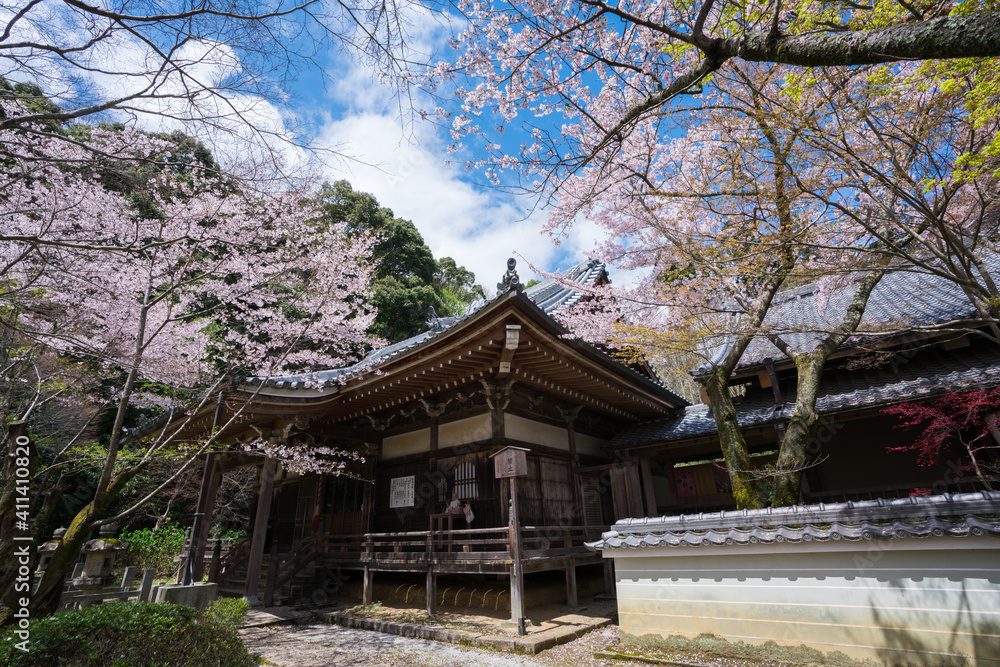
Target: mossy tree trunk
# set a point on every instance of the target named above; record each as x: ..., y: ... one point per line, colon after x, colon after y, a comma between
x: 45, y: 601
x: 8, y: 514
x: 796, y: 446
x: 746, y: 491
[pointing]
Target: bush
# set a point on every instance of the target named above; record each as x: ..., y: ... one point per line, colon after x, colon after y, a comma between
x: 155, y: 549
x: 135, y: 634
x: 228, y: 612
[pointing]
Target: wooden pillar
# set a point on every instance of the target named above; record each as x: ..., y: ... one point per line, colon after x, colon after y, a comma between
x: 570, y: 416
x: 516, y: 571
x: 368, y: 588
x: 204, y: 512
x: 431, y: 590
x: 647, y: 485
x: 272, y: 578
x: 368, y: 504
x: 609, y: 579
x: 259, y: 532
x: 571, y: 597
x: 213, y: 569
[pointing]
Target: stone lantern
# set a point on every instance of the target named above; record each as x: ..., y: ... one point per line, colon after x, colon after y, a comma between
x: 99, y: 558
x: 46, y: 549
x: 45, y: 554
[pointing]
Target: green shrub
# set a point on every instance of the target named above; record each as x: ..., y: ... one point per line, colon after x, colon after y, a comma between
x: 133, y: 634
x: 155, y: 549
x: 228, y: 612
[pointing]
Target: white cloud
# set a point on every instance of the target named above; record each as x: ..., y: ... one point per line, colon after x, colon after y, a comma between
x: 478, y: 227
x: 407, y: 169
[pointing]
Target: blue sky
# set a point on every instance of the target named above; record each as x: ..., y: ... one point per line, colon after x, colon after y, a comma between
x: 408, y: 168
x: 337, y: 106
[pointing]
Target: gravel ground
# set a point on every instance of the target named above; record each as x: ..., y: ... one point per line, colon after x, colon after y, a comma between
x: 321, y: 645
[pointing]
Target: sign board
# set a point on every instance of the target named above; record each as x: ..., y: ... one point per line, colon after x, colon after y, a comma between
x: 510, y: 462
x: 401, y: 491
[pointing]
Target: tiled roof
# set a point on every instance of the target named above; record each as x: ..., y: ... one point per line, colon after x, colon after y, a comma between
x: 963, y: 515
x: 549, y: 295
x: 903, y: 376
x: 901, y: 298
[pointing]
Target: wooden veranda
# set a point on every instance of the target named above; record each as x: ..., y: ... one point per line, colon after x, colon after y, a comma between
x: 430, y: 552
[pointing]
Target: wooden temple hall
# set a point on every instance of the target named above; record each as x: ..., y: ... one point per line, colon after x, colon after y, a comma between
x: 427, y: 414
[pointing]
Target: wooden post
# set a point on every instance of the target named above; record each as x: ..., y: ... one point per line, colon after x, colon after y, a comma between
x: 259, y: 532
x: 204, y: 512
x: 368, y: 588
x: 571, y: 597
x: 213, y: 569
x: 431, y: 590
x: 609, y: 579
x: 516, y: 571
x: 146, y: 584
x: 647, y: 485
x: 272, y: 578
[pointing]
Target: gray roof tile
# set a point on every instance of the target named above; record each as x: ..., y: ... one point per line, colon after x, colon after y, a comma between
x: 900, y: 299
x: 903, y: 376
x: 961, y: 515
x: 549, y: 295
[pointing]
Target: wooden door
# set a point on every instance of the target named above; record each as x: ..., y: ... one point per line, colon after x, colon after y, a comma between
x: 305, y: 511
x: 625, y: 490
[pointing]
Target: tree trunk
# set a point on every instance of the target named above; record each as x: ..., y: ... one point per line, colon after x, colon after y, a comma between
x: 8, y: 513
x: 45, y: 601
x: 734, y: 446
x: 796, y: 445
x: 975, y: 35
x: 799, y: 432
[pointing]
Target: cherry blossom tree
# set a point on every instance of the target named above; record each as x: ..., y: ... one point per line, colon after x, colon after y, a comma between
x: 202, y: 281
x: 611, y: 67
x: 721, y: 220
x: 918, y: 149
x: 727, y: 176
x: 220, y: 71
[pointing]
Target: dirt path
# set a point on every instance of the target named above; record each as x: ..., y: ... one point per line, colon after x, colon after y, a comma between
x: 321, y: 645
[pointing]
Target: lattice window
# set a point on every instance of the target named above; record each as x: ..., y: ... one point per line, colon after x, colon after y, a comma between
x: 590, y: 490
x: 465, y: 481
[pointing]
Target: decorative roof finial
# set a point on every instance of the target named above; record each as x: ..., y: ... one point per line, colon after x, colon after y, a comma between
x: 510, y: 281
x: 433, y: 321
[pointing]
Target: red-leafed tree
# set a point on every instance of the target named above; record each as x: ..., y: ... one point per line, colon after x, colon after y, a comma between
x: 964, y: 419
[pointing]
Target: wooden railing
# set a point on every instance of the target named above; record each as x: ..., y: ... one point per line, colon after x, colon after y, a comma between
x: 472, y: 544
x: 230, y: 561
x: 469, y: 547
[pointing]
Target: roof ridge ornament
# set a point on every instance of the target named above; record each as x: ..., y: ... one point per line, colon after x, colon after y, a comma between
x: 433, y: 321
x: 510, y: 280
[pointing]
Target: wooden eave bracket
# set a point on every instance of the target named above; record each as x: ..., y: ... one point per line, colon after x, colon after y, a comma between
x: 510, y: 346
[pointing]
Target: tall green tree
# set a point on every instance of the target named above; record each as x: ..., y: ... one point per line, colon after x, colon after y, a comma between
x: 408, y: 281
x: 457, y: 287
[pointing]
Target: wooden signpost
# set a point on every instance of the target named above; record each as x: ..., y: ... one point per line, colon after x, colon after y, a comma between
x: 512, y: 462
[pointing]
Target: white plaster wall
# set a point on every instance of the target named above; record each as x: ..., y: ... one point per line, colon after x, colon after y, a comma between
x: 933, y: 601
x: 464, y: 431
x: 403, y: 444
x: 526, y: 430
x: 588, y: 444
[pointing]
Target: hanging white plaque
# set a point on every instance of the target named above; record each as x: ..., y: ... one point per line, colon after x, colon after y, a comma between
x: 401, y: 491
